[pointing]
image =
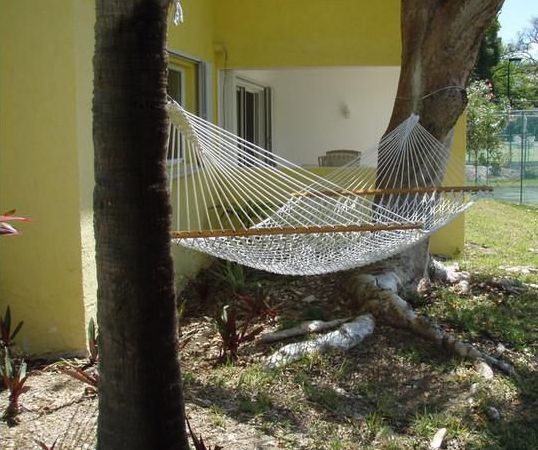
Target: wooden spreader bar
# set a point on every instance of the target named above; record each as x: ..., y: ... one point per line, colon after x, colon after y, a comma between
x: 417, y: 190
x: 295, y: 230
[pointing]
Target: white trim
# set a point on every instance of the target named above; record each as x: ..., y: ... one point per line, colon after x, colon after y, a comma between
x: 249, y: 85
x: 226, y: 100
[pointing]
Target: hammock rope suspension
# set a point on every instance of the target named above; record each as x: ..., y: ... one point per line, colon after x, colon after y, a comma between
x: 237, y: 201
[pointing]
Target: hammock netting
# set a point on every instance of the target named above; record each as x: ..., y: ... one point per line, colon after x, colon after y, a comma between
x: 237, y: 201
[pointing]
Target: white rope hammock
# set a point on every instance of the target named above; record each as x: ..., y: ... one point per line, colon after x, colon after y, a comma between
x: 237, y: 201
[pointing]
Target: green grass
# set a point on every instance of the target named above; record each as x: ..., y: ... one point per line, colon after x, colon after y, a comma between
x: 500, y: 234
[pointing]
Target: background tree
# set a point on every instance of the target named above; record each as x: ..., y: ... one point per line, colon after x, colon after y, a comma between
x: 523, y: 82
x: 440, y: 43
x: 486, y: 116
x: 523, y: 71
x: 527, y: 43
x: 140, y: 397
x: 489, y: 52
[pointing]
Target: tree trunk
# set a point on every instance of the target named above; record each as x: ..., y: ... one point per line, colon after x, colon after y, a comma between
x: 440, y: 43
x: 140, y: 396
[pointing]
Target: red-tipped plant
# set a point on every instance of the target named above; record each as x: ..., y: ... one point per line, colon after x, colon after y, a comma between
x: 5, y: 228
x: 256, y: 305
x: 88, y: 376
x: 88, y: 373
x: 6, y: 335
x: 14, y: 378
x: 232, y: 334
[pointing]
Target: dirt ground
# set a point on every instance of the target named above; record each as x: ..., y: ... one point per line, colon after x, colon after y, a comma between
x: 392, y: 391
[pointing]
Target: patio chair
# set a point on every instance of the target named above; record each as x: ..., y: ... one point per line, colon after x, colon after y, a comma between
x: 338, y: 158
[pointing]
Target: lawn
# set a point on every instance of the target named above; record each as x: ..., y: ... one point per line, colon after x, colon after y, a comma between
x: 393, y: 391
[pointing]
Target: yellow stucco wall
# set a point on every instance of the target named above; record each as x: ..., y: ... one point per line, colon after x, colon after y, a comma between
x: 293, y: 33
x: 194, y: 37
x: 40, y: 272
x: 449, y: 240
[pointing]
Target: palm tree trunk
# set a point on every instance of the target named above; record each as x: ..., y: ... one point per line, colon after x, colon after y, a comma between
x: 140, y: 395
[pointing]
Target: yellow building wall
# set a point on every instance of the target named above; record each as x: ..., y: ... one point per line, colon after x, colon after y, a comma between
x: 194, y: 37
x: 295, y: 33
x: 449, y: 240
x: 84, y: 16
x: 40, y: 271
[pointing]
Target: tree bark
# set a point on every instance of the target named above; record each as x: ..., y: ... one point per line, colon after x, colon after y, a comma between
x: 140, y: 396
x: 440, y: 43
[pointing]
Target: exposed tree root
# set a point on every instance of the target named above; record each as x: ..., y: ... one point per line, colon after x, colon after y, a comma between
x: 311, y: 326
x: 380, y: 298
x: 376, y: 295
x: 347, y: 336
x: 450, y: 274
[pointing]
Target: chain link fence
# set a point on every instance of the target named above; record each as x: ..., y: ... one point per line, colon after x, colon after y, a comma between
x: 507, y: 158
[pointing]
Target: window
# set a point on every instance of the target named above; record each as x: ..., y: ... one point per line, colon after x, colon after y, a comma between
x: 189, y: 84
x: 253, y: 119
x: 175, y: 87
x: 182, y: 86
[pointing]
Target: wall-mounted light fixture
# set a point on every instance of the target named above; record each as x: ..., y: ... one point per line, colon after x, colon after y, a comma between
x: 345, y: 111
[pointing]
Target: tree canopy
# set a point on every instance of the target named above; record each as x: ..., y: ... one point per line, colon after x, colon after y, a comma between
x: 489, y: 53
x: 484, y: 119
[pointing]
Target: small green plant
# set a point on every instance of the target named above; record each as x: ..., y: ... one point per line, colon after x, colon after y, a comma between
x: 231, y: 276
x: 198, y: 442
x: 14, y: 379
x: 255, y: 405
x: 93, y: 349
x: 233, y: 334
x: 6, y: 335
x: 375, y: 423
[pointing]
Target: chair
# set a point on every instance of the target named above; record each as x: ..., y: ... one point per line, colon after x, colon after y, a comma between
x: 337, y: 158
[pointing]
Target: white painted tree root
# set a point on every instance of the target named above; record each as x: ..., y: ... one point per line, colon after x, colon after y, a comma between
x: 450, y: 274
x: 378, y: 295
x: 346, y: 337
x: 311, y: 326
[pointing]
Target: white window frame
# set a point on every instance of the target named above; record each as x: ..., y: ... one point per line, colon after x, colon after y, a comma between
x: 181, y: 101
x: 181, y: 70
x: 204, y: 88
x: 229, y: 82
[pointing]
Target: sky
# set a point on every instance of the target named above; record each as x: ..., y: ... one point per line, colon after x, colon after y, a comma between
x: 515, y: 16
